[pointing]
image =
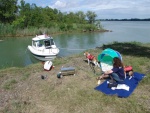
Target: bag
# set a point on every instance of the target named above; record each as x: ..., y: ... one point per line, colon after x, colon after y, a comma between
x: 128, y: 68
x: 48, y: 65
x: 112, y: 83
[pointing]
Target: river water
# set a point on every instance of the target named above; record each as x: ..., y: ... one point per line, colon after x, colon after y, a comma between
x: 14, y: 50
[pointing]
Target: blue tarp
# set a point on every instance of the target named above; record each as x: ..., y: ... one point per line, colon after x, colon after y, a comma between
x: 132, y: 83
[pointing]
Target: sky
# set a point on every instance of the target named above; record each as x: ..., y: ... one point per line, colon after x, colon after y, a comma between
x: 105, y: 9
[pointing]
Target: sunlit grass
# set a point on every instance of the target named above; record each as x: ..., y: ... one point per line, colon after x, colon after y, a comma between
x: 9, y: 84
x: 27, y: 92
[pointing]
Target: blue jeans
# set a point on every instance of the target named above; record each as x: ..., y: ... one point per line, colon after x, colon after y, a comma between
x: 116, y: 77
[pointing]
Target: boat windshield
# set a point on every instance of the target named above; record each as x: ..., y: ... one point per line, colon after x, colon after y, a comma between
x: 49, y: 42
x: 37, y: 43
x: 52, y: 41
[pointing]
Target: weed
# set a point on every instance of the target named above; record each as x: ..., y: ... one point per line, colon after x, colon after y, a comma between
x: 9, y: 84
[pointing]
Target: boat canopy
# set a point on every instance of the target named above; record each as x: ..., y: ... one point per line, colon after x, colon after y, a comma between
x: 41, y: 37
x: 41, y: 40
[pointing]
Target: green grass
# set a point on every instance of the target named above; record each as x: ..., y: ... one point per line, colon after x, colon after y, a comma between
x: 9, y: 84
x: 9, y: 30
x: 23, y: 90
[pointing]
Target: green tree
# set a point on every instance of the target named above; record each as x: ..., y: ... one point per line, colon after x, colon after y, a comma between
x: 25, y: 11
x: 56, y: 11
x: 8, y: 10
x: 81, y: 16
x: 19, y: 22
x: 91, y: 16
x: 36, y: 18
x: 50, y: 16
x: 98, y: 24
x: 32, y: 15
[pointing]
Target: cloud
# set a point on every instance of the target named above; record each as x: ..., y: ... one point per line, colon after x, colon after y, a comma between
x: 59, y: 4
x: 103, y: 8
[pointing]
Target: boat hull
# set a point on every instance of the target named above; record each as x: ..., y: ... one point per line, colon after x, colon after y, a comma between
x: 44, y: 56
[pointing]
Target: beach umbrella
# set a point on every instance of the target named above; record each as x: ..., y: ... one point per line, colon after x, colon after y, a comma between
x: 106, y: 57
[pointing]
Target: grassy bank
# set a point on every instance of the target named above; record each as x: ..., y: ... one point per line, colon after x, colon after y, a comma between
x: 11, y: 31
x: 23, y: 90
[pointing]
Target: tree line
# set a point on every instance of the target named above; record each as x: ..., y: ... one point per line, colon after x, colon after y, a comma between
x: 27, y: 15
x: 132, y: 19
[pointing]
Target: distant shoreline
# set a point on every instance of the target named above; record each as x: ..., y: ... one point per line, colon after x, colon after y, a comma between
x: 134, y: 19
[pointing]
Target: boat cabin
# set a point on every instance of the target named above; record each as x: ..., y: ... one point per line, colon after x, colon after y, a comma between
x: 43, y: 41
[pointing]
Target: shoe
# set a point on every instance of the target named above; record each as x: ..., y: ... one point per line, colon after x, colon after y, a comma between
x: 98, y: 82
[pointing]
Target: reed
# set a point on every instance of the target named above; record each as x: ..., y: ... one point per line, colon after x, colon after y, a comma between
x: 8, y: 30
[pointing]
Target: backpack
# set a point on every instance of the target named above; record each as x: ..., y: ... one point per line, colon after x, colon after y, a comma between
x: 112, y: 83
x: 128, y: 68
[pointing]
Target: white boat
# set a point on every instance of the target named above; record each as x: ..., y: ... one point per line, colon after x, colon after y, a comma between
x: 43, y: 47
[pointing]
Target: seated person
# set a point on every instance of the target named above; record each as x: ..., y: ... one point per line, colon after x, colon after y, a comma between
x: 116, y: 73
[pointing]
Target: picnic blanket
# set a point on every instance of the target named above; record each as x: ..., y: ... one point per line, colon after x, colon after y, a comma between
x: 123, y: 89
